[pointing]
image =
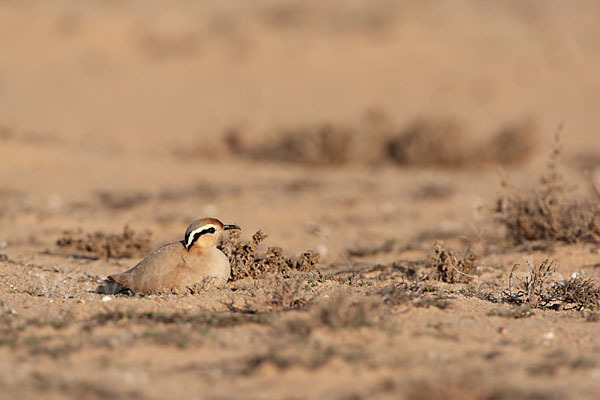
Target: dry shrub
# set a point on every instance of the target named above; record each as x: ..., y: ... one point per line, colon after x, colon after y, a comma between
x: 430, y: 142
x: 128, y: 244
x: 443, y: 142
x: 452, y: 269
x: 329, y: 144
x: 538, y: 290
x: 534, y: 289
x: 246, y: 262
x: 548, y: 213
x: 321, y: 145
x: 514, y: 143
x: 578, y: 292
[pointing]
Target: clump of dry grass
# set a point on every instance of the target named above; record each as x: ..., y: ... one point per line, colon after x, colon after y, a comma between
x: 577, y: 292
x: 99, y: 244
x: 534, y: 289
x: 548, y: 213
x: 538, y: 290
x: 451, y: 268
x: 247, y: 262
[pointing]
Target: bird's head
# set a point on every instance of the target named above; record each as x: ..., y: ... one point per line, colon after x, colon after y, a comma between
x: 204, y: 233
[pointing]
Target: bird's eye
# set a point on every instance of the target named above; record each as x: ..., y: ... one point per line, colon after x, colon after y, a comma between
x: 211, y: 230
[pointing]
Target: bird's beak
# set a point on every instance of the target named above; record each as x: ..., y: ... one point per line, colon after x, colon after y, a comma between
x: 230, y: 227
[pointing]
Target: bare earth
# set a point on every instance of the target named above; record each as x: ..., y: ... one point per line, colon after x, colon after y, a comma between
x: 281, y: 116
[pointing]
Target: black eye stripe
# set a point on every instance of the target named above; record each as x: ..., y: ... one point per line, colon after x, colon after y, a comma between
x: 197, y: 235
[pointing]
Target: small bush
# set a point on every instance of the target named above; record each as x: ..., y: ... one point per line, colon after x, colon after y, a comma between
x: 538, y: 290
x: 246, y: 262
x: 548, y: 213
x: 452, y: 269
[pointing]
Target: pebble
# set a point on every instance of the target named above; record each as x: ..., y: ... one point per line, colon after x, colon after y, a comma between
x: 106, y: 298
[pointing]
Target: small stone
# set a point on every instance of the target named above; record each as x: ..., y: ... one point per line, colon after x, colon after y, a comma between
x: 106, y: 298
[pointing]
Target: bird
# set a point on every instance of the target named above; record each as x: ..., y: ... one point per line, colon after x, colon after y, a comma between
x: 176, y: 266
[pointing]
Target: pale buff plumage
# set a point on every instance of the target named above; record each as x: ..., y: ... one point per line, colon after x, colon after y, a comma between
x: 176, y: 266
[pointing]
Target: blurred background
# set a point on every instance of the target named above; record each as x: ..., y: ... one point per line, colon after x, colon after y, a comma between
x: 274, y: 113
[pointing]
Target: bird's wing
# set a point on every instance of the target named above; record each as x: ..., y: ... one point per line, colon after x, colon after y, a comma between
x: 161, y: 269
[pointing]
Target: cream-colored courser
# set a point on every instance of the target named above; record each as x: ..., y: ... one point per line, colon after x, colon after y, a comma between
x: 176, y: 266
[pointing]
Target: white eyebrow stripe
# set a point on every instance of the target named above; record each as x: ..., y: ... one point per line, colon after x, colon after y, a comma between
x: 192, y: 233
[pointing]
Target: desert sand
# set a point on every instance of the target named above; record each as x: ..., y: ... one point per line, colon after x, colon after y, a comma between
x: 364, y: 131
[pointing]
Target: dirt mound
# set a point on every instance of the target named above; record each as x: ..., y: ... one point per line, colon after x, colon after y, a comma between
x: 128, y: 244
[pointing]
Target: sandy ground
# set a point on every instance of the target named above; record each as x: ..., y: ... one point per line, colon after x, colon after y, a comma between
x: 117, y: 113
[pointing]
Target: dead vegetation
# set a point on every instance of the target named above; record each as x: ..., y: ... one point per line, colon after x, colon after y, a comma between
x: 423, y: 142
x: 129, y: 244
x: 246, y: 261
x: 539, y: 290
x: 320, y: 145
x: 452, y: 268
x: 548, y: 212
